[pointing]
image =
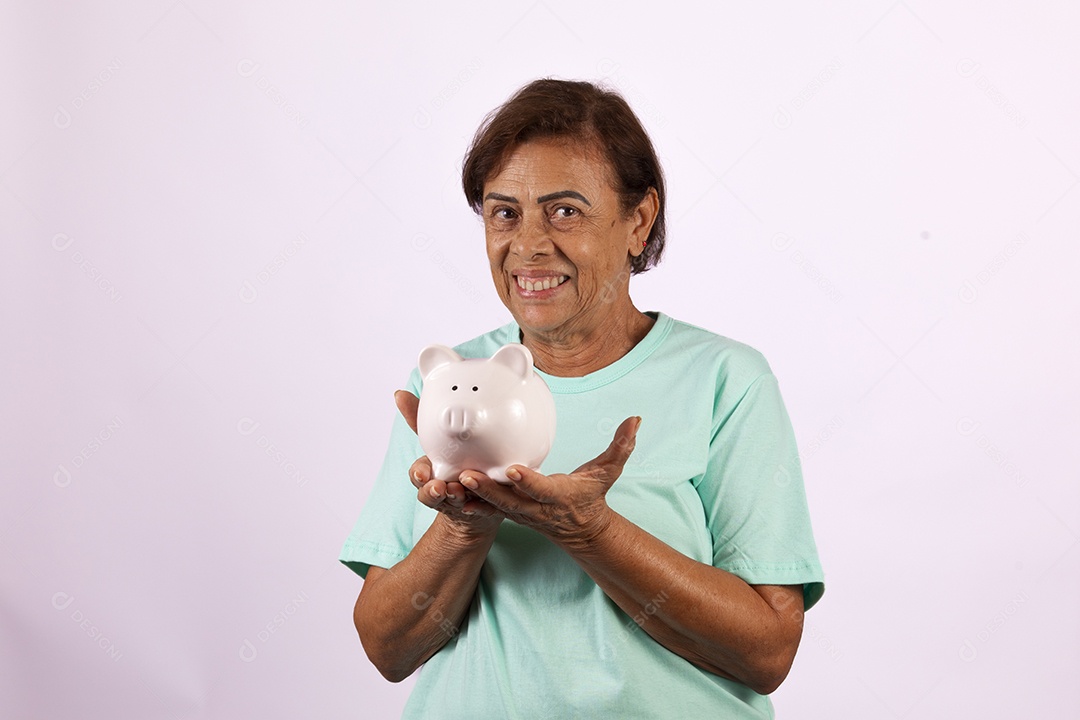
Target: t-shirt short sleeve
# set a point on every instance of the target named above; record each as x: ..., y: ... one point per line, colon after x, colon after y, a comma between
x: 386, y: 530
x: 753, y: 494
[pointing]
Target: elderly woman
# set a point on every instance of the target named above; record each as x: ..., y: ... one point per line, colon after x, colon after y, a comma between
x: 667, y: 576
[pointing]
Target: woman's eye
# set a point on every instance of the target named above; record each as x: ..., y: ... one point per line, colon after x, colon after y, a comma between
x: 565, y: 211
x: 504, y: 213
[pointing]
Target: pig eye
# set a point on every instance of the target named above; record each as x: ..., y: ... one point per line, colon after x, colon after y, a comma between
x: 454, y: 388
x: 474, y: 388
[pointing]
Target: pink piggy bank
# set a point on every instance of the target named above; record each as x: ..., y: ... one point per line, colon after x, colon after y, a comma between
x: 483, y: 415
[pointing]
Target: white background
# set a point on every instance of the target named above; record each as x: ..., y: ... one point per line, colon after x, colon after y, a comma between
x: 228, y: 229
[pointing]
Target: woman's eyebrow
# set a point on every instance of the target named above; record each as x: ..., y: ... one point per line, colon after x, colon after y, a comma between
x: 542, y: 199
x: 563, y: 194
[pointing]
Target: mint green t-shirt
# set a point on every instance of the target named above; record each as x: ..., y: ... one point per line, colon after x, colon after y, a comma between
x: 715, y: 474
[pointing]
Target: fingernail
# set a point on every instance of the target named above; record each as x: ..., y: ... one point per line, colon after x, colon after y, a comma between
x: 513, y: 474
x: 468, y: 481
x: 467, y: 512
x: 434, y: 493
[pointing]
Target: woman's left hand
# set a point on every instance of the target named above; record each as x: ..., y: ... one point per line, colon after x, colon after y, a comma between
x: 568, y: 509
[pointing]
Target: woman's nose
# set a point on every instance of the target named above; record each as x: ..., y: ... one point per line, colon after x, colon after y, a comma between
x: 534, y: 238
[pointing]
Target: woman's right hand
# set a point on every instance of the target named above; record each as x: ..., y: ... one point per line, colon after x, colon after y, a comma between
x: 471, y: 514
x: 468, y: 513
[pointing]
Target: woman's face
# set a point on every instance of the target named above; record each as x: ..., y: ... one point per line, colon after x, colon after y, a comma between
x: 558, y: 243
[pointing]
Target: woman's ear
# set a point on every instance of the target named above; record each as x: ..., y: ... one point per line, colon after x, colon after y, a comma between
x: 643, y: 216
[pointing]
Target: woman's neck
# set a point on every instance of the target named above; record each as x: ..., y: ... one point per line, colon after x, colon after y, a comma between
x: 578, y: 353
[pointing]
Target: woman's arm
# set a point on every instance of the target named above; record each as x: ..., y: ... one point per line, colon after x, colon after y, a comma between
x: 710, y: 617
x: 404, y: 614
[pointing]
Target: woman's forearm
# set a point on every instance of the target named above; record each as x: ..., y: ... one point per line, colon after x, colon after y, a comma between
x: 708, y: 616
x: 404, y: 614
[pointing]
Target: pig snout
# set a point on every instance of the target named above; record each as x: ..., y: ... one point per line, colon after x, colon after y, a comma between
x: 458, y: 421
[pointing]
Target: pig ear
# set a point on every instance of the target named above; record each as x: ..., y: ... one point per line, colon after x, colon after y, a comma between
x: 516, y: 357
x: 435, y: 356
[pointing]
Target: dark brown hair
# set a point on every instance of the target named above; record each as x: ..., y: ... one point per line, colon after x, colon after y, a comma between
x: 578, y: 111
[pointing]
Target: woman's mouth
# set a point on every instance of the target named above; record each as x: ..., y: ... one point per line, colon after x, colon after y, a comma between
x: 539, y: 284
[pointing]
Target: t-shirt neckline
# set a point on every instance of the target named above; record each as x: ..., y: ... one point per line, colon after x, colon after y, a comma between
x: 614, y: 371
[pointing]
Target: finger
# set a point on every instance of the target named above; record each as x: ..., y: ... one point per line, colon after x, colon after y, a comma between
x: 455, y: 494
x: 503, y: 497
x: 442, y: 492
x: 613, y: 459
x: 407, y: 403
x: 432, y: 493
x: 532, y: 483
x: 420, y: 472
x: 480, y: 508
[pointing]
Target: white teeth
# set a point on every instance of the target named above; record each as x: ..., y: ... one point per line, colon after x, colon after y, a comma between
x: 545, y: 284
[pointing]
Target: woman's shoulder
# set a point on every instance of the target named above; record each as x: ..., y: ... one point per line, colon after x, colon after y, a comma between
x: 729, y: 356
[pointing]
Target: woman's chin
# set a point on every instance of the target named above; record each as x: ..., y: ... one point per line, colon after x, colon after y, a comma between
x: 539, y: 319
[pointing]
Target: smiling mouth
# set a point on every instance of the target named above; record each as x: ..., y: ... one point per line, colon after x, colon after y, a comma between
x: 534, y: 284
